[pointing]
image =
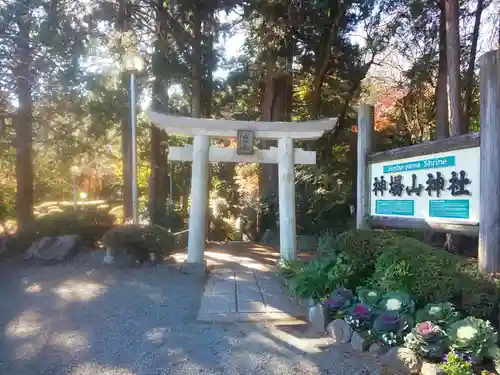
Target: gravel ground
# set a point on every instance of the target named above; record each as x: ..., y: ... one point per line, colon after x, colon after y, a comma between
x: 82, y: 318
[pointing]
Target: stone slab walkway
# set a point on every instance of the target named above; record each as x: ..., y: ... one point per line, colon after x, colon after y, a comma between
x: 242, y: 295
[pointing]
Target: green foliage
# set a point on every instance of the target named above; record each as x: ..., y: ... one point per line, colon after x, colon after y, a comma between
x: 168, y: 218
x: 427, y: 340
x: 398, y: 302
x: 456, y: 365
x: 320, y: 276
x: 90, y: 225
x: 326, y: 243
x: 426, y: 273
x: 443, y: 314
x: 140, y: 240
x: 287, y: 269
x: 363, y: 247
x: 220, y: 230
x: 473, y: 336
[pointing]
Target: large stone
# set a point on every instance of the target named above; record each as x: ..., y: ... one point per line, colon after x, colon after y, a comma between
x: 429, y: 368
x: 402, y: 359
x: 340, y: 331
x: 316, y: 317
x: 50, y: 250
x: 358, y: 342
x: 377, y: 349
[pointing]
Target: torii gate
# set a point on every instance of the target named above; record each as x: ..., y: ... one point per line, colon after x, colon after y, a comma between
x: 201, y: 154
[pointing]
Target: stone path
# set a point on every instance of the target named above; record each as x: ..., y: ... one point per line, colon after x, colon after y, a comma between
x: 242, y: 295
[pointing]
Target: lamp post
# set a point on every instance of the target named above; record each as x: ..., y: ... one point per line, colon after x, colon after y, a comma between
x: 133, y: 63
x: 75, y: 172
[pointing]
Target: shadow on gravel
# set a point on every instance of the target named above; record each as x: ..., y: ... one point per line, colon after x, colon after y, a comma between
x: 82, y: 318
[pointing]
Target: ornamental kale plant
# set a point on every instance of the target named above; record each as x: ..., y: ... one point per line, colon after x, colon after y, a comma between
x: 472, y: 336
x: 398, y: 302
x: 359, y: 317
x: 339, y: 302
x: 369, y: 297
x: 389, y: 328
x: 427, y: 340
x: 442, y: 314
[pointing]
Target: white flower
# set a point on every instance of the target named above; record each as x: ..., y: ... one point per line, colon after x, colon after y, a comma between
x: 393, y: 304
x: 372, y: 294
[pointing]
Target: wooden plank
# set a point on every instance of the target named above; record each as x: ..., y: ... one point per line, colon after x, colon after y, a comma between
x: 441, y: 145
x: 388, y: 222
x: 489, y: 198
x: 365, y: 130
x: 305, y: 130
x: 230, y: 155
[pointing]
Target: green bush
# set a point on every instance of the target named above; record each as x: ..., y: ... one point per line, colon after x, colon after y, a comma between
x: 426, y: 273
x: 320, y: 277
x: 140, y: 240
x: 363, y: 247
x: 89, y: 225
x: 390, y: 261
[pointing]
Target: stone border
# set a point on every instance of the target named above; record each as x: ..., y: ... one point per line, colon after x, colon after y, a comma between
x: 398, y: 359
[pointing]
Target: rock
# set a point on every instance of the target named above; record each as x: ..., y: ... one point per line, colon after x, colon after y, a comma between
x: 358, y: 342
x: 429, y: 368
x: 119, y: 258
x: 341, y: 331
x: 50, y: 250
x: 377, y: 349
x: 316, y: 317
x: 402, y: 359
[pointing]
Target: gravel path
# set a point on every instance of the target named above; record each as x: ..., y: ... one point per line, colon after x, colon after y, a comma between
x: 81, y: 318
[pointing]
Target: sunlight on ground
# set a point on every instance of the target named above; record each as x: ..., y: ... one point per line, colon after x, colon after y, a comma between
x: 242, y: 261
x: 26, y: 324
x: 76, y: 290
x: 70, y: 340
x: 94, y: 368
x: 30, y: 349
x: 33, y: 288
x: 307, y: 345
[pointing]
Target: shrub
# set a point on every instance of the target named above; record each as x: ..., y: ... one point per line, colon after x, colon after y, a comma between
x: 140, y: 240
x: 363, y: 247
x: 320, y: 276
x: 426, y: 273
x: 89, y: 225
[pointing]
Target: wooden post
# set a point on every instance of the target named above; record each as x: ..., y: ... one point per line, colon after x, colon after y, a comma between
x: 288, y: 236
x: 489, y: 220
x: 199, y: 206
x: 365, y: 130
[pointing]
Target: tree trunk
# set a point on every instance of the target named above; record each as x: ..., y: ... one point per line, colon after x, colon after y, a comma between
x: 453, y: 63
x: 469, y: 77
x: 453, y: 242
x: 125, y: 123
x: 158, y: 181
x: 442, y: 114
x: 23, y: 120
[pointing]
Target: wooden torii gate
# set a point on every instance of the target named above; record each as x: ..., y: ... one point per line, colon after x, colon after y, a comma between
x: 201, y: 154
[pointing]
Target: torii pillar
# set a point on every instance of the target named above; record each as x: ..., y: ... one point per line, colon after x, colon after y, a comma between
x: 201, y: 154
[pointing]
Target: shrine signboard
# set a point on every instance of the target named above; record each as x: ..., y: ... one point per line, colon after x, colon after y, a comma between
x: 437, y: 187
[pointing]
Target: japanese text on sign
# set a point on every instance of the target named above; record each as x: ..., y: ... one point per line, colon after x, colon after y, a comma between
x: 245, y: 142
x: 439, y: 186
